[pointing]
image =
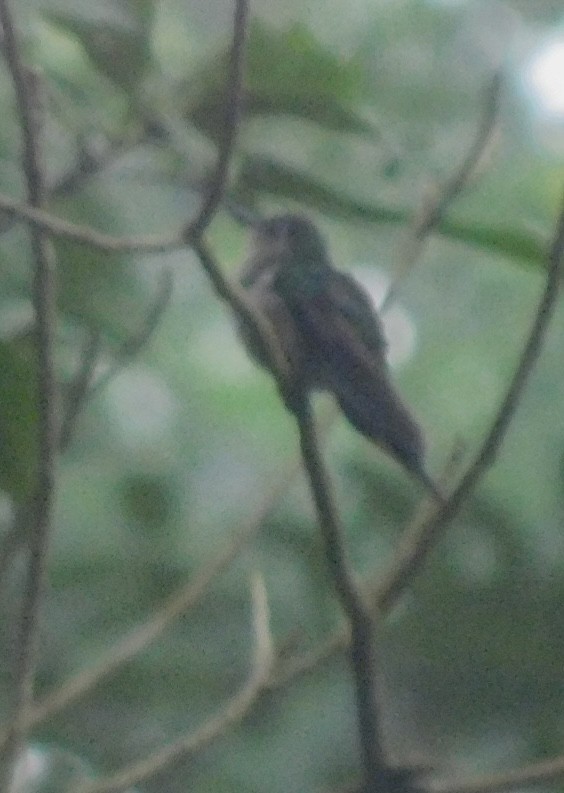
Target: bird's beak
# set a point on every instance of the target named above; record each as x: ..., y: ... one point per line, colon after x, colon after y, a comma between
x: 244, y: 215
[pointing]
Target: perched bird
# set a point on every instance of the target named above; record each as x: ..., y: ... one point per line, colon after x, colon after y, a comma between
x: 330, y: 334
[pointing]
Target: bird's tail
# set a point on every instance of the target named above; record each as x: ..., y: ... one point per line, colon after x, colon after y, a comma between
x: 380, y: 415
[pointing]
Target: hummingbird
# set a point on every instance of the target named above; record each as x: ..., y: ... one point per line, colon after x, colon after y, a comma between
x: 330, y: 335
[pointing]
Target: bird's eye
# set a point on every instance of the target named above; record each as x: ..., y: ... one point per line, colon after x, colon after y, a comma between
x: 275, y: 230
x: 289, y: 230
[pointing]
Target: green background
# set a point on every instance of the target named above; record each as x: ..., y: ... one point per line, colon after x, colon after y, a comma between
x: 355, y: 110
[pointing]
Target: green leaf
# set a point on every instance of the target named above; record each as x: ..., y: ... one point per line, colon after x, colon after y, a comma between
x: 117, y: 42
x: 18, y: 417
x: 288, y: 73
x: 97, y: 288
x: 296, y: 61
x: 261, y: 175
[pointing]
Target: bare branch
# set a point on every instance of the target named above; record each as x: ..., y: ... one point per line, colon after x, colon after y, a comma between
x: 232, y: 713
x: 132, y: 346
x: 244, y: 310
x: 26, y: 87
x: 11, y: 541
x: 82, y: 389
x: 177, y: 605
x: 420, y: 537
x: 543, y: 773
x: 232, y: 105
x: 340, y: 639
x: 350, y: 597
x: 79, y: 388
x: 436, y: 204
x: 80, y: 392
x: 310, y: 660
x: 84, y: 235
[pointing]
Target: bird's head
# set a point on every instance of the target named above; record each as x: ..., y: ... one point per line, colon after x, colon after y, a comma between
x: 293, y: 241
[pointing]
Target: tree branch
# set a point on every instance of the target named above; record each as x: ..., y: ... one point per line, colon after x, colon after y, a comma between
x: 235, y: 297
x: 83, y: 388
x: 79, y: 389
x: 543, y: 773
x: 350, y: 597
x: 361, y: 623
x: 232, y: 713
x: 419, y: 538
x: 27, y: 94
x: 177, y: 605
x: 435, y: 204
x: 232, y: 105
x: 84, y: 235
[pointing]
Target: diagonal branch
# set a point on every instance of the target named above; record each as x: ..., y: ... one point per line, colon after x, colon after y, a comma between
x: 84, y: 235
x: 82, y: 389
x: 541, y: 774
x: 420, y: 537
x: 257, y: 324
x: 79, y: 389
x: 231, y: 713
x: 435, y: 207
x: 182, y: 600
x: 361, y: 624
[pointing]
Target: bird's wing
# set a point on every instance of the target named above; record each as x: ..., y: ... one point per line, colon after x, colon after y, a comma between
x: 346, y: 340
x: 341, y: 325
x: 352, y: 302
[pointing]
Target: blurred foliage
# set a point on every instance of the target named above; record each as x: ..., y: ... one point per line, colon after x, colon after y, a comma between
x: 313, y: 84
x: 352, y: 112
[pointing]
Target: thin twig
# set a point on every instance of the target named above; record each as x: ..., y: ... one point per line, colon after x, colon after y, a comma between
x: 79, y: 389
x: 26, y: 87
x: 12, y: 540
x: 435, y: 207
x: 350, y: 597
x: 340, y: 638
x: 132, y: 346
x: 83, y: 389
x: 231, y: 713
x: 419, y: 539
x: 312, y: 659
x: 176, y: 605
x: 543, y: 773
x: 232, y: 106
x: 84, y: 235
x: 257, y: 324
